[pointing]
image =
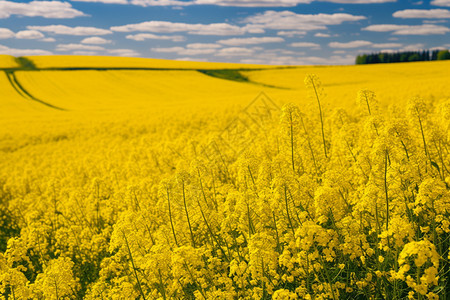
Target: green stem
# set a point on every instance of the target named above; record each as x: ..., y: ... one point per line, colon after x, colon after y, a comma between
x: 287, y: 210
x: 292, y: 141
x: 386, y: 191
x: 170, y: 218
x: 134, y: 267
x: 187, y: 216
x: 321, y: 118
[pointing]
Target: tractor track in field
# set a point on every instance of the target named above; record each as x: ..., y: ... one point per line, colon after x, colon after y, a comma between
x: 224, y: 74
x: 19, y: 88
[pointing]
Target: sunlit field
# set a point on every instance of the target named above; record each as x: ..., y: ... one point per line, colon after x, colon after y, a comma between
x: 129, y: 178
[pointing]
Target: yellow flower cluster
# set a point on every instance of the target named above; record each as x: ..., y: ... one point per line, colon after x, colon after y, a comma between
x: 318, y: 202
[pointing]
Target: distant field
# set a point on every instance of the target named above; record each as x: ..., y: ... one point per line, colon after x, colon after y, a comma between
x: 111, y: 89
x: 130, y: 178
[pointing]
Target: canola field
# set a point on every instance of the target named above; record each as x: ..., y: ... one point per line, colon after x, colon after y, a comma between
x: 127, y: 178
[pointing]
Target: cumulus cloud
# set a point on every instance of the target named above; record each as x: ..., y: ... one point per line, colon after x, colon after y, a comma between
x: 86, y: 53
x: 45, y: 9
x: 235, y: 51
x: 291, y: 33
x: 250, y: 41
x: 233, y: 3
x: 23, y: 52
x: 434, y: 21
x: 191, y: 59
x: 105, y: 1
x: 440, y: 2
x: 253, y: 3
x: 424, y: 29
x: 422, y: 14
x: 306, y: 45
x: 95, y: 40
x: 123, y: 52
x: 185, y: 51
x: 413, y: 47
x: 170, y: 27
x: 160, y: 3
x: 387, y: 45
x: 348, y: 45
x: 324, y: 35
x: 29, y: 35
x: 66, y: 30
x: 256, y: 24
x: 6, y: 33
x: 358, y: 1
x: 269, y: 58
x: 140, y: 37
x: 70, y: 47
x: 288, y: 20
x: 203, y: 46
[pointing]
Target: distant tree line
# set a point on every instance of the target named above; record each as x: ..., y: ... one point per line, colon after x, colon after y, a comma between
x: 405, y: 56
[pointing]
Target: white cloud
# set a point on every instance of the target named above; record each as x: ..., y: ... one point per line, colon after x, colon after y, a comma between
x: 45, y: 9
x: 320, y: 34
x: 140, y: 37
x: 424, y: 29
x: 29, y: 35
x: 348, y: 45
x: 95, y: 40
x: 332, y: 60
x: 284, y: 20
x: 160, y: 3
x: 168, y: 50
x: 235, y: 51
x: 265, y: 58
x: 358, y: 1
x: 86, y: 53
x: 5, y: 33
x: 386, y: 51
x: 387, y: 45
x: 291, y: 33
x: 440, y: 2
x: 306, y: 45
x: 253, y: 3
x: 250, y: 41
x: 438, y: 48
x: 23, y: 52
x: 49, y: 40
x: 413, y: 47
x: 123, y: 52
x: 422, y: 14
x: 70, y: 47
x: 184, y: 51
x: 288, y: 20
x: 234, y: 3
x: 191, y: 59
x: 66, y: 30
x: 434, y: 21
x: 170, y: 27
x: 104, y: 1
x: 203, y: 46
x: 280, y: 51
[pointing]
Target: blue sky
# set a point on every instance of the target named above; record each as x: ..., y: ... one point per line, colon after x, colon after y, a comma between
x: 246, y: 31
